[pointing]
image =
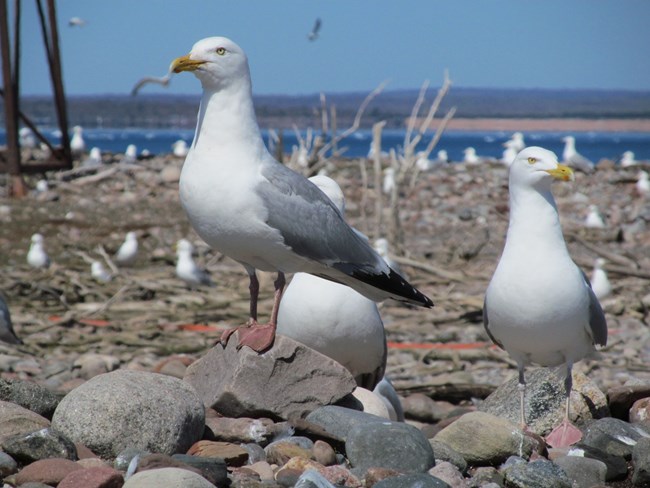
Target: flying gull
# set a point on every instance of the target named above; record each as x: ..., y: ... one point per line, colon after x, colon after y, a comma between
x: 315, y: 31
x: 539, y: 305
x: 245, y: 204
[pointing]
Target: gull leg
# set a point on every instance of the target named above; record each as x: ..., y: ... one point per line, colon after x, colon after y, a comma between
x: 254, y: 290
x: 566, y: 434
x: 522, y: 393
x: 260, y: 337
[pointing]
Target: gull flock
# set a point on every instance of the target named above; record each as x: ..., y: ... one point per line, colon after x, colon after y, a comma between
x: 249, y: 207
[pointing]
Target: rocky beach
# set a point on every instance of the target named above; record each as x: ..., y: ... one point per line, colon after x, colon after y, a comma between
x: 128, y: 369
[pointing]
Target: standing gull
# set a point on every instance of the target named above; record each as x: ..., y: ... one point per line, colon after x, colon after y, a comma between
x: 334, y: 319
x: 36, y: 256
x: 77, y: 143
x: 539, y: 305
x: 186, y: 269
x: 248, y: 206
x: 128, y: 251
x: 599, y: 282
x: 573, y: 158
x: 594, y: 220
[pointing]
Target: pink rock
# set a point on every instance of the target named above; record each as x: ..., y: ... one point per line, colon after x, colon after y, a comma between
x: 640, y: 411
x: 100, y: 477
x: 49, y: 471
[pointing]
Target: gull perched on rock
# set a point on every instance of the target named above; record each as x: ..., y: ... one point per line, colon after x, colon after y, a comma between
x: 573, y: 158
x: 77, y: 143
x: 36, y: 256
x: 334, y: 319
x: 186, y: 269
x: 131, y: 154
x: 128, y: 251
x: 599, y: 282
x: 7, y: 333
x: 245, y: 204
x: 539, y: 306
x: 594, y: 220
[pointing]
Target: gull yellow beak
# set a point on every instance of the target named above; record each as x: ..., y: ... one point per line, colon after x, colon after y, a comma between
x: 562, y: 172
x: 184, y: 63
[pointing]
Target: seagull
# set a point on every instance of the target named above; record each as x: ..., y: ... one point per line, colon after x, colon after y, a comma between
x: 627, y: 159
x: 313, y: 35
x: 36, y: 256
x: 516, y: 141
x: 442, y: 158
x: 510, y: 152
x: 42, y: 186
x: 334, y: 319
x: 539, y: 305
x: 422, y: 162
x: 77, y: 143
x: 128, y: 251
x: 94, y: 158
x: 599, y: 281
x: 98, y: 272
x: 186, y: 268
x: 642, y: 184
x: 382, y: 248
x: 7, y: 333
x: 593, y: 219
x: 386, y: 392
x: 389, y: 181
x: 573, y: 158
x: 131, y: 154
x: 245, y: 204
x: 76, y: 22
x: 26, y: 138
x: 163, y: 81
x: 179, y: 148
x: 470, y: 157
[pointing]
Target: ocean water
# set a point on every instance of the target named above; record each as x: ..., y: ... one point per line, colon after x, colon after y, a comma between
x: 593, y: 145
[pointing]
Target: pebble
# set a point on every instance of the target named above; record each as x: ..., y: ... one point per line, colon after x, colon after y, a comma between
x: 49, y: 471
x: 155, y: 478
x: 323, y: 453
x: 443, y: 452
x: 419, y: 406
x: 232, y: 454
x: 411, y: 480
x: 392, y: 445
x: 338, y: 421
x: 583, y: 472
x: 614, y: 436
x: 641, y: 463
x: 448, y: 473
x: 16, y: 420
x: 124, y: 458
x: 640, y: 412
x: 99, y: 477
x: 42, y: 444
x: 164, y: 414
x: 536, y: 474
x: 616, y: 466
x: 8, y: 465
x: 212, y: 469
x: 29, y: 395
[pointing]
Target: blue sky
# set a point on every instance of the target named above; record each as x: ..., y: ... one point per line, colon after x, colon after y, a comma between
x: 484, y: 43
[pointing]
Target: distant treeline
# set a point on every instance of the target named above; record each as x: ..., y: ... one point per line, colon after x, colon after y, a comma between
x: 283, y: 111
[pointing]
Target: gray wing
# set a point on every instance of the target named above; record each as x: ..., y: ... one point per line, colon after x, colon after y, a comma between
x: 578, y: 161
x: 486, y: 324
x: 7, y: 333
x: 312, y: 225
x: 597, y: 322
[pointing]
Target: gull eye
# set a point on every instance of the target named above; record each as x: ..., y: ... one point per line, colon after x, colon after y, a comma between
x: 221, y: 51
x: 532, y: 160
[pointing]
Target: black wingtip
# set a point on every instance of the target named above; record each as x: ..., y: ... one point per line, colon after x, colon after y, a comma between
x: 395, y: 284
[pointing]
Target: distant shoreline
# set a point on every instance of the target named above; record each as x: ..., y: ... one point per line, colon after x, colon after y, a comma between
x: 549, y: 124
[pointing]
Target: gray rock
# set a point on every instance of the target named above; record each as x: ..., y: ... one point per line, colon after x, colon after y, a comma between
x: 338, y: 421
x: 212, y: 469
x: 156, y: 478
x: 419, y: 406
x: 545, y: 400
x: 124, y: 458
x: 392, y: 445
x: 41, y: 444
x: 448, y: 473
x: 616, y: 466
x: 641, y: 463
x: 621, y: 398
x: 289, y: 380
x: 485, y: 476
x: 483, y: 439
x: 443, y: 452
x: 537, y: 474
x: 8, y: 465
x: 15, y: 420
x: 583, y: 472
x: 613, y: 436
x: 138, y: 409
x: 29, y: 395
x: 420, y: 480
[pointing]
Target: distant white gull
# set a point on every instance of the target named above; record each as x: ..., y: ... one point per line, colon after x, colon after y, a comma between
x: 539, y: 305
x: 76, y: 22
x: 334, y: 319
x: 510, y: 152
x: 573, y: 158
x: 517, y: 141
x: 36, y: 256
x: 180, y: 149
x: 131, y: 154
x: 186, y: 269
x: 77, y: 143
x: 389, y: 180
x: 94, y: 158
x: 7, y: 333
x: 642, y: 184
x: 470, y: 157
x: 599, y: 280
x: 627, y: 160
x: 383, y: 249
x: 442, y: 158
x: 99, y: 273
x: 128, y: 251
x: 248, y: 206
x: 26, y: 138
x: 593, y: 220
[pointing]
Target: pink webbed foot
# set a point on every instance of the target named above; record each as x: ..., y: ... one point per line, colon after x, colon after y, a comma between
x: 564, y: 435
x: 256, y: 336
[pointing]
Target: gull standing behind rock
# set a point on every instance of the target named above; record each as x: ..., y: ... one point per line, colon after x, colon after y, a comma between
x: 599, y: 282
x: 539, y: 306
x: 334, y: 319
x: 245, y: 204
x: 573, y: 158
x: 36, y: 256
x: 594, y: 219
x: 77, y: 143
x: 128, y: 251
x: 186, y: 268
x: 643, y: 184
x: 99, y: 273
x: 7, y: 333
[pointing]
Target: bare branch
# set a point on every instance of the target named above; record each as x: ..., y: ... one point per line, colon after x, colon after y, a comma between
x: 414, y: 114
x: 376, y: 153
